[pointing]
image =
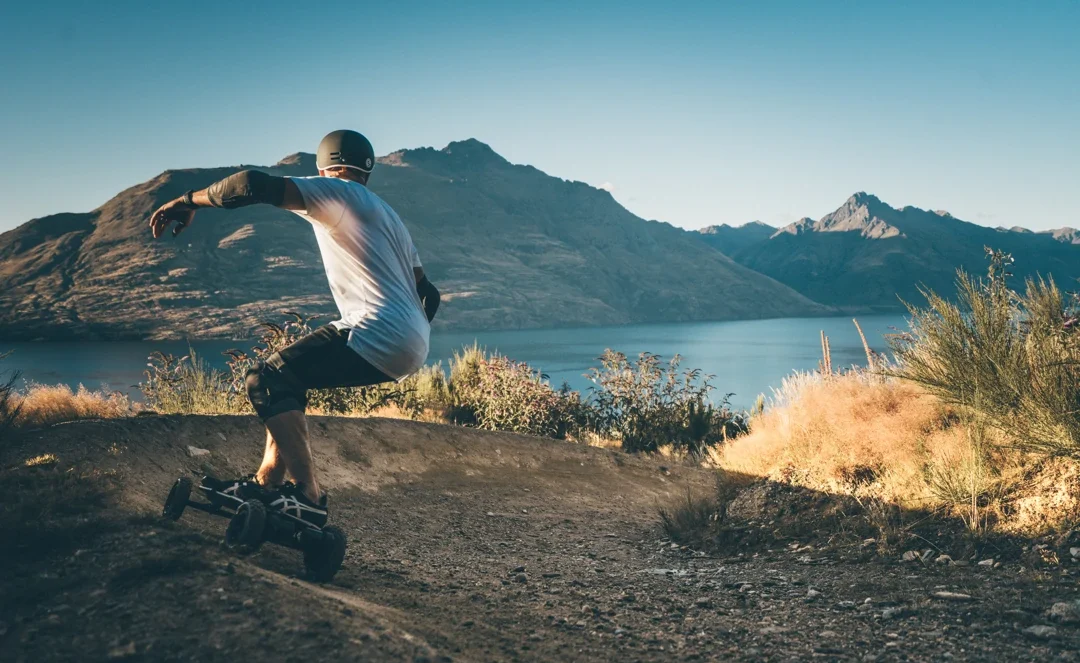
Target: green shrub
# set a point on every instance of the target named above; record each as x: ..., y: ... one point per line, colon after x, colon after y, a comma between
x: 648, y: 404
x: 511, y: 396
x: 1012, y: 359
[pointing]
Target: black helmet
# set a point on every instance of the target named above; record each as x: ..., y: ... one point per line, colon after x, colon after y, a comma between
x: 345, y: 148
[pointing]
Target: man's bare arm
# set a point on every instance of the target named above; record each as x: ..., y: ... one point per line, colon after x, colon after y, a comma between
x: 429, y: 294
x: 248, y: 187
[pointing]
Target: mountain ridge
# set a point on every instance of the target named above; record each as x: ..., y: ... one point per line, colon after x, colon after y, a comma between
x: 510, y: 246
x: 868, y: 254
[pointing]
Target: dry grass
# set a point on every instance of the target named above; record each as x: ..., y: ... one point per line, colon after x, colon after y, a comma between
x: 42, y: 405
x: 884, y: 440
x: 836, y: 434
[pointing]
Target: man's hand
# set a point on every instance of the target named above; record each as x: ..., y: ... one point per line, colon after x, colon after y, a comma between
x: 175, y: 211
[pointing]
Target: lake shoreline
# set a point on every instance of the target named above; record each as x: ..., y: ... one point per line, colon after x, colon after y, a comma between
x: 748, y: 357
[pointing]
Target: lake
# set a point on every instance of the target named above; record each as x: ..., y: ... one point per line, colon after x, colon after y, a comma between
x: 746, y: 357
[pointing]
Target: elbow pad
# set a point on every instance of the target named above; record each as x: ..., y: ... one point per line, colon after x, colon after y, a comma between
x: 429, y: 295
x: 247, y: 187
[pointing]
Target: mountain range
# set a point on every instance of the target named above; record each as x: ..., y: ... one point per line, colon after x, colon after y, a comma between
x: 508, y: 245
x: 869, y: 256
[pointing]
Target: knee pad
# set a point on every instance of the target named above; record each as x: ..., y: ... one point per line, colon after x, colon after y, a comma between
x: 272, y: 389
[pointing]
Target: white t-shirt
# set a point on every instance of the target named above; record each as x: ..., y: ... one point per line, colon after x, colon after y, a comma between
x: 369, y: 258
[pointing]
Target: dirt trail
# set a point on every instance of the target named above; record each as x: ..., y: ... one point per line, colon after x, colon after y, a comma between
x: 473, y: 546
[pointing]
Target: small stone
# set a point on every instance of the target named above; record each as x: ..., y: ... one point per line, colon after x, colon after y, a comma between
x: 909, y: 556
x: 865, y: 607
x: 927, y: 555
x: 943, y: 559
x: 1039, y: 631
x: 521, y: 577
x: 123, y: 651
x: 828, y: 634
x: 846, y: 605
x: 703, y: 602
x: 195, y: 452
x: 891, y: 613
x: 812, y: 595
x: 1074, y: 553
x: 248, y: 603
x: 490, y: 514
x: 518, y: 569
x: 621, y: 631
x: 951, y: 596
x: 1065, y: 613
x: 987, y: 562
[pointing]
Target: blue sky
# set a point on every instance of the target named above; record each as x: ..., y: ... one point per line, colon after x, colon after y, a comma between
x: 696, y: 112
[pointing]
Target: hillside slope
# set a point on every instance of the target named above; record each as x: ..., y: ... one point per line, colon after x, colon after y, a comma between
x: 867, y: 254
x: 464, y: 546
x: 509, y: 246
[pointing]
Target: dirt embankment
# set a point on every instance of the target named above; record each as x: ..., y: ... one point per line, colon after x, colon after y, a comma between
x: 464, y: 545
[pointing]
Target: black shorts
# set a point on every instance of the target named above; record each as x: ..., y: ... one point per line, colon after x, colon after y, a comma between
x: 320, y: 360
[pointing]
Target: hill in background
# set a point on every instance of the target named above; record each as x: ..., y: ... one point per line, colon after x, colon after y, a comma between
x: 868, y: 255
x: 509, y: 246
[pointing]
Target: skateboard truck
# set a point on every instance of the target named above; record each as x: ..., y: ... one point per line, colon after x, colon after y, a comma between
x: 251, y: 524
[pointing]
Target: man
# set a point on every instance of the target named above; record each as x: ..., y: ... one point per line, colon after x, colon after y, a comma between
x: 385, y: 300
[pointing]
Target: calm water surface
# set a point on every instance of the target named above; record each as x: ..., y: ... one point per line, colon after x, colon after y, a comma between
x: 747, y: 357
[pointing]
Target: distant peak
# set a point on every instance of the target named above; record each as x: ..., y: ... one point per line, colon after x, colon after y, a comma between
x: 1066, y: 235
x: 471, y: 148
x: 941, y: 212
x: 863, y: 198
x: 467, y: 144
x: 297, y: 159
x: 757, y: 226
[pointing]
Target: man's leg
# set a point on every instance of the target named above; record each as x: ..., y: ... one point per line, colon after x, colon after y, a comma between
x: 278, y: 391
x: 289, y: 430
x: 271, y: 473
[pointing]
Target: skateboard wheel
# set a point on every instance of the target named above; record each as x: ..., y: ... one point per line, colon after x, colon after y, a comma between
x: 323, y: 559
x: 177, y: 500
x: 245, y: 531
